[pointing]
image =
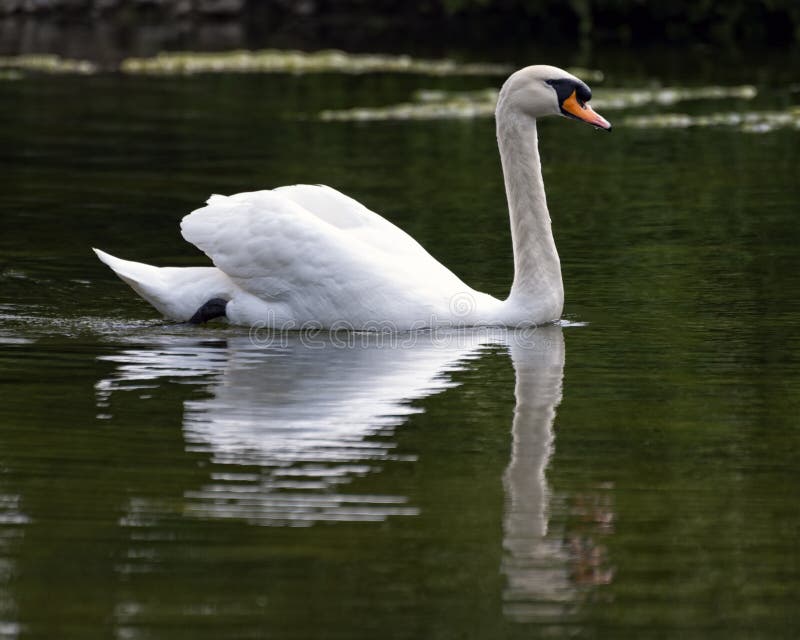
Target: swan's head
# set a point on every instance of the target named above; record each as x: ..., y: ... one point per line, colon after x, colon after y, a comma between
x: 542, y: 90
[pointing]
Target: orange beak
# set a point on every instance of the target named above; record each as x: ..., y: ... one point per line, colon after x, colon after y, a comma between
x: 585, y: 113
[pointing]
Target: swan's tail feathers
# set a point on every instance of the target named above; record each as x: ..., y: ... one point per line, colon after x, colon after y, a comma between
x: 177, y: 292
x: 144, y: 279
x: 135, y: 274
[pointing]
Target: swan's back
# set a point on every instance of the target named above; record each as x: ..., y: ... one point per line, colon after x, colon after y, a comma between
x: 347, y: 214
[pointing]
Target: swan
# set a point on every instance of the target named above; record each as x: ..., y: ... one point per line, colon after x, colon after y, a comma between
x: 306, y: 256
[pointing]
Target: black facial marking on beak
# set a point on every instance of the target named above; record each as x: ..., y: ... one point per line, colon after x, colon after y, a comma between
x: 573, y: 96
x: 564, y: 88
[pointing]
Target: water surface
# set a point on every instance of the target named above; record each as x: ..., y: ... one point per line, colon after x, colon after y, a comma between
x: 632, y: 473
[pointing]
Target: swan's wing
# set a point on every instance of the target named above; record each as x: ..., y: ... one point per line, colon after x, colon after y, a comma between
x: 349, y: 215
x: 278, y: 250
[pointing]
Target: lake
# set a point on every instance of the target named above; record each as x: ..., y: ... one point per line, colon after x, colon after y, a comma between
x: 630, y: 472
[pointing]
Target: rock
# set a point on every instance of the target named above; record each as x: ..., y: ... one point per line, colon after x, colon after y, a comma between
x: 10, y: 6
x: 36, y: 6
x: 102, y: 6
x: 219, y: 7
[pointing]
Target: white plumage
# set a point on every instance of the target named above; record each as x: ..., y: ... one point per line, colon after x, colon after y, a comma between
x: 303, y: 255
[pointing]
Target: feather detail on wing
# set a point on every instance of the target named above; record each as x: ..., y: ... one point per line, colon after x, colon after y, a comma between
x: 347, y: 214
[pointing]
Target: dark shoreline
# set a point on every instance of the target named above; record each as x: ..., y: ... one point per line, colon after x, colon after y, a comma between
x: 110, y: 30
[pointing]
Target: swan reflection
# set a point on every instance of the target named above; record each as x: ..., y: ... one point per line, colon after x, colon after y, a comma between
x: 289, y: 425
x: 291, y: 422
x: 536, y: 566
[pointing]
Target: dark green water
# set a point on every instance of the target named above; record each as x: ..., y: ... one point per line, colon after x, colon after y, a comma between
x: 632, y: 474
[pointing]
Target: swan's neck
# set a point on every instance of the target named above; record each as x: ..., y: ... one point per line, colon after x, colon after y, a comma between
x: 537, y: 270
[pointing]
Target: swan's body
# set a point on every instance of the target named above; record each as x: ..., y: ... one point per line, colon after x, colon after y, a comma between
x: 304, y: 255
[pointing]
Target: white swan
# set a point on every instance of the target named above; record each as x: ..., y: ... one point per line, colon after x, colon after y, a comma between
x: 305, y: 255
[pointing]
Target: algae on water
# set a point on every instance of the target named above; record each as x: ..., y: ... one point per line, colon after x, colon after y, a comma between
x: 435, y: 104
x: 278, y: 61
x: 747, y: 121
x: 425, y: 104
x: 45, y: 63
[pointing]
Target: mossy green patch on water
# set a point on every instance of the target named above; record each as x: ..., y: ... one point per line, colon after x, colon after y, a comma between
x: 45, y: 63
x: 299, y: 62
x: 747, y: 121
x: 269, y: 61
x: 632, y: 98
x: 435, y: 104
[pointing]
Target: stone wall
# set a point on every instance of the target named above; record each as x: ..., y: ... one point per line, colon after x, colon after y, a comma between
x: 106, y: 31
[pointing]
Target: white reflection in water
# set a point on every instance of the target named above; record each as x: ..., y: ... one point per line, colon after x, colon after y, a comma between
x: 292, y: 423
x: 536, y: 565
x: 11, y: 530
x: 290, y: 426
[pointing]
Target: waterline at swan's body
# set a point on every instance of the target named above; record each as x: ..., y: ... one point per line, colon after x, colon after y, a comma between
x: 367, y: 276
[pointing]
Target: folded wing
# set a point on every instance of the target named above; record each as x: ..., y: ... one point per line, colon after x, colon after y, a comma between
x: 317, y: 251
